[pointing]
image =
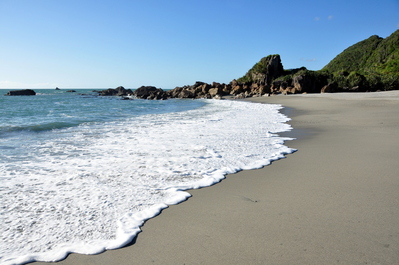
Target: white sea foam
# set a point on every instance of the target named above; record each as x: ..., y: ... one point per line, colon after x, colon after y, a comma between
x: 89, y: 188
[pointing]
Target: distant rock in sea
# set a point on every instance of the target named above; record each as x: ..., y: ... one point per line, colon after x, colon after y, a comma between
x: 119, y: 91
x: 22, y: 92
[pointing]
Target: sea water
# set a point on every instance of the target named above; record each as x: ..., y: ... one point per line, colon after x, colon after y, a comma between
x: 81, y: 173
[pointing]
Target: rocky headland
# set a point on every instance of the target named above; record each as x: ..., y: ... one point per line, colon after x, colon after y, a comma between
x: 367, y: 66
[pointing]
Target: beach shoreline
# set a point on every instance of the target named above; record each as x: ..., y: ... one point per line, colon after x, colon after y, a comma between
x: 334, y: 201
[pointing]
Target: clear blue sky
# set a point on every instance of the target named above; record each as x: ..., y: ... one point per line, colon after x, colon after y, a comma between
x: 169, y: 43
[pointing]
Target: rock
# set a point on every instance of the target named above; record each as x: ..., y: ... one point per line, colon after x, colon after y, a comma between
x: 329, y: 88
x: 108, y: 92
x: 265, y: 71
x: 23, y: 92
x: 185, y: 93
x: 233, y: 83
x: 236, y: 89
x: 299, y: 82
x: 305, y: 83
x: 226, y: 89
x: 158, y: 94
x: 144, y: 91
x: 175, y: 92
x: 149, y: 92
x: 119, y: 91
x: 309, y: 81
x: 274, y: 68
x: 259, y: 89
x: 292, y: 90
x: 71, y: 91
x: 216, y: 84
x: 205, y: 88
x: 275, y: 87
x: 240, y: 96
x: 198, y: 83
x: 355, y: 89
x: 265, y: 90
x: 198, y: 90
x: 215, y: 91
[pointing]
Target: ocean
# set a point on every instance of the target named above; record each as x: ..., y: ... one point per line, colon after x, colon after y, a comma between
x: 81, y: 173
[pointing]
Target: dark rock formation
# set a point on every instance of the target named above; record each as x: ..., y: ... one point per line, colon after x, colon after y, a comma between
x: 265, y: 71
x: 303, y: 83
x: 200, y: 90
x: 218, y: 90
x: 330, y: 88
x: 309, y: 82
x: 150, y: 92
x: 119, y: 91
x: 186, y: 93
x: 23, y: 92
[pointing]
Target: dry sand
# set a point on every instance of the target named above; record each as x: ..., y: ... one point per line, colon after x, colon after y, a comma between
x: 334, y: 201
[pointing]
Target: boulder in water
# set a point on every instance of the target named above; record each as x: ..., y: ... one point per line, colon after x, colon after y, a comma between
x: 23, y: 92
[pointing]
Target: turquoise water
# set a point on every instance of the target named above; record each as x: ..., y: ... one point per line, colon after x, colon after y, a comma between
x: 55, y: 109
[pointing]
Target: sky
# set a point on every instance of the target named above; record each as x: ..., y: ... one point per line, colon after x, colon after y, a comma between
x: 169, y: 43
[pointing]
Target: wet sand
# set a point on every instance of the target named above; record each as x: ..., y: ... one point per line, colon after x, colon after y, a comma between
x: 334, y: 201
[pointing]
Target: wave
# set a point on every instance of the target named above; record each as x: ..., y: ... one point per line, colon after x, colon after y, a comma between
x: 38, y: 127
x: 91, y: 188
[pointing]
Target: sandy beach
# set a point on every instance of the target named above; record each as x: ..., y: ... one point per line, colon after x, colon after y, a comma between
x: 334, y: 201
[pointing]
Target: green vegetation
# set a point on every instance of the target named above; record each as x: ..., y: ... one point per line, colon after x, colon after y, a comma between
x: 372, y: 64
x: 355, y: 57
x: 244, y: 79
x: 369, y: 65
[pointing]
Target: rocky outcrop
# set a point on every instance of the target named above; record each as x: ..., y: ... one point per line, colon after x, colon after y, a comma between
x: 150, y: 92
x: 274, y: 69
x: 23, y: 92
x: 265, y: 71
x: 199, y: 90
x: 119, y: 91
x: 268, y: 77
x: 330, y: 88
x: 309, y: 82
x: 303, y: 83
x: 218, y: 90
